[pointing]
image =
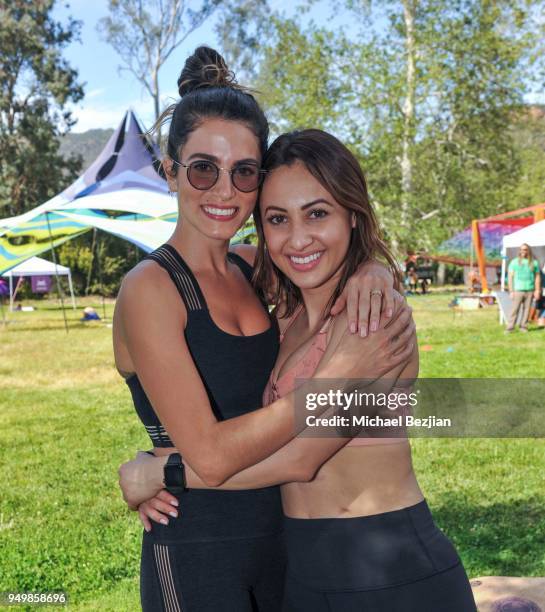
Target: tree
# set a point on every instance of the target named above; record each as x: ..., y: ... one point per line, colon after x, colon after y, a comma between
x: 424, y: 94
x: 242, y: 26
x: 36, y: 83
x: 144, y: 33
x: 299, y: 76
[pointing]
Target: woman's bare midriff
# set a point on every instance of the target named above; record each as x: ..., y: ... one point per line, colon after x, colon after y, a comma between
x: 357, y: 481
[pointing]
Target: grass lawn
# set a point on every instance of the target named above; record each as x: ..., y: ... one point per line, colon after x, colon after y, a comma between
x: 66, y: 423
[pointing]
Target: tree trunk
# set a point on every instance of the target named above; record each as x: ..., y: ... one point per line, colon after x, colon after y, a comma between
x: 90, y: 272
x: 156, y: 103
x: 409, y: 8
x: 441, y: 273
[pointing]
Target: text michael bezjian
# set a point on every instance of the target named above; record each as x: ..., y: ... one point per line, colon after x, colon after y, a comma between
x: 403, y: 420
x: 347, y: 401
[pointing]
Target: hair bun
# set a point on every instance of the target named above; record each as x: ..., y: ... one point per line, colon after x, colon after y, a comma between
x: 205, y: 68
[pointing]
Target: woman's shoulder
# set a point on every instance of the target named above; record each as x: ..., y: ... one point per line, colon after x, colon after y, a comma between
x: 146, y: 276
x: 149, y: 287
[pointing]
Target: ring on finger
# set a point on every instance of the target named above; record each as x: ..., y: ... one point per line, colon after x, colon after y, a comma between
x: 376, y: 292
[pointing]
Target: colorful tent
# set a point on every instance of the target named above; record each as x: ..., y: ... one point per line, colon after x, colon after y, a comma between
x: 485, y: 239
x: 457, y: 250
x: 537, y: 213
x: 120, y: 193
x: 121, y: 184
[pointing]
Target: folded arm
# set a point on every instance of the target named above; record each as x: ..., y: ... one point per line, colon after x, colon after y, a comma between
x: 161, y: 358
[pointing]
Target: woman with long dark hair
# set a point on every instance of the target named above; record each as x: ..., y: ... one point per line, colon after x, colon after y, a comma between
x: 358, y: 532
x: 196, y: 346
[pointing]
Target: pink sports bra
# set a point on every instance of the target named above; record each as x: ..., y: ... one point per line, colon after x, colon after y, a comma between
x: 279, y: 386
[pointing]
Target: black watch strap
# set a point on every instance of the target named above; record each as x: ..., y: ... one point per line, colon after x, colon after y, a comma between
x: 174, y: 474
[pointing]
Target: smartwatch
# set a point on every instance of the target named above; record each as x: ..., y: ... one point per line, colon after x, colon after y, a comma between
x: 174, y: 474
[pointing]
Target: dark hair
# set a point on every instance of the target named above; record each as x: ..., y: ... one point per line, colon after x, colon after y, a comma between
x: 209, y: 89
x: 338, y: 171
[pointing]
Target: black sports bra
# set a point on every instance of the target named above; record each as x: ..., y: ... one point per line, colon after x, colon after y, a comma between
x: 234, y: 369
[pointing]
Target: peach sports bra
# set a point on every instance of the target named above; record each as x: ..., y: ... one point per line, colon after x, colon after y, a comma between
x: 278, y: 386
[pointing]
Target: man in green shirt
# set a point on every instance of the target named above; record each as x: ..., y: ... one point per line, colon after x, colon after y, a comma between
x: 524, y: 283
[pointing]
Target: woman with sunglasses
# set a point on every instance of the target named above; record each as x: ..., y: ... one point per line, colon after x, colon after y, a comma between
x: 358, y: 532
x: 197, y: 369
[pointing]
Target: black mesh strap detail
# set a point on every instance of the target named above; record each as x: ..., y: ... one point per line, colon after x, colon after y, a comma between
x: 169, y: 259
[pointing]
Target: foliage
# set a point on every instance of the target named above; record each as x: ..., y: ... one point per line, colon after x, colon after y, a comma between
x: 36, y: 83
x: 473, y: 62
x: 145, y: 33
x: 299, y: 77
x: 529, y: 136
x: 98, y: 262
x: 241, y: 27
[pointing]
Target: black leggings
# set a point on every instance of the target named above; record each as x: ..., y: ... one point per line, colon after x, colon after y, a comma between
x: 392, y: 562
x: 240, y: 575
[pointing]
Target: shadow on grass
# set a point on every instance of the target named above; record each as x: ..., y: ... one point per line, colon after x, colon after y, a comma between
x: 59, y: 326
x: 505, y: 539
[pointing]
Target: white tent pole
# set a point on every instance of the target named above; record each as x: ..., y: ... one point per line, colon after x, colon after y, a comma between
x: 503, y: 258
x: 71, y: 289
x: 11, y: 292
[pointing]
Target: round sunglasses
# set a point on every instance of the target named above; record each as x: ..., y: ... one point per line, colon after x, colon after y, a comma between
x: 203, y: 174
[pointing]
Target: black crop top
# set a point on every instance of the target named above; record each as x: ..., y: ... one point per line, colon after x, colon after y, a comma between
x: 234, y: 369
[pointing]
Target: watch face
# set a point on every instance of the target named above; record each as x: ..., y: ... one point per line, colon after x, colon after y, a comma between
x: 174, y: 473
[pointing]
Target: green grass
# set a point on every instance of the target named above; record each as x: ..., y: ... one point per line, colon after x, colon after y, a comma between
x: 66, y: 423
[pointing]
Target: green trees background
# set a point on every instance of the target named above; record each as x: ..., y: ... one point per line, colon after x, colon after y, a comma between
x: 429, y: 94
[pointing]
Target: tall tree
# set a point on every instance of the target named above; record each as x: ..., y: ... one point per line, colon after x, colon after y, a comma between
x: 424, y: 94
x: 300, y: 76
x: 36, y: 83
x: 144, y: 33
x: 409, y: 14
x: 241, y: 27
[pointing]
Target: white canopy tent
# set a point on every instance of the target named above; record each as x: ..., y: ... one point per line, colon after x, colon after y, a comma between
x: 36, y: 266
x: 533, y: 235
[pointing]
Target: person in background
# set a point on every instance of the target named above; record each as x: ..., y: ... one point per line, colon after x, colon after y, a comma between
x: 474, y: 281
x: 90, y: 314
x: 411, y: 277
x: 541, y: 305
x: 524, y: 283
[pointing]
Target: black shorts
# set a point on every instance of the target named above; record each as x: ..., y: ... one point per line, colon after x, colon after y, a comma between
x: 392, y: 562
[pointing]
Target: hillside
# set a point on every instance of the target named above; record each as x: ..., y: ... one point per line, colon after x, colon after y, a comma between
x: 89, y: 144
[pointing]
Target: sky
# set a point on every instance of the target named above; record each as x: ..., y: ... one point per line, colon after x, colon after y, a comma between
x: 109, y: 92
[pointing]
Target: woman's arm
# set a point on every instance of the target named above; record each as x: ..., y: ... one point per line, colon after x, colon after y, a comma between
x: 151, y: 329
x: 537, y: 277
x: 298, y: 461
